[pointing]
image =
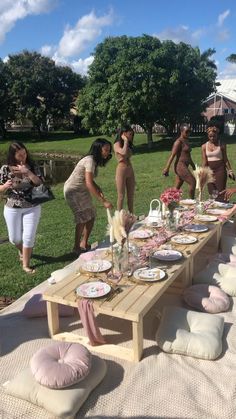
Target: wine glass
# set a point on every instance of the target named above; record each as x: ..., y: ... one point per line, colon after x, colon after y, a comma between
x: 214, y: 194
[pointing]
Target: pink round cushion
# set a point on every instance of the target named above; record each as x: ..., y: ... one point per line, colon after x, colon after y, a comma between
x: 60, y: 364
x: 206, y: 298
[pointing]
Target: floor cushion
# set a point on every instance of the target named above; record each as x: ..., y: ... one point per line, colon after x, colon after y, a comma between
x: 207, y: 298
x: 63, y: 403
x: 36, y: 306
x: 190, y: 333
x: 61, y: 364
x: 226, y: 278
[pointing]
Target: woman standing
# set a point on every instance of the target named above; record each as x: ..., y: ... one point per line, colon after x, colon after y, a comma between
x: 214, y: 155
x: 181, y: 151
x: 17, y: 179
x: 125, y: 180
x: 79, y: 187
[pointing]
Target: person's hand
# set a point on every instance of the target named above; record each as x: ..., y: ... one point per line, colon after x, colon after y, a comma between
x: 107, y: 204
x: 227, y: 193
x: 165, y: 172
x: 23, y: 169
x: 231, y: 174
x: 7, y: 185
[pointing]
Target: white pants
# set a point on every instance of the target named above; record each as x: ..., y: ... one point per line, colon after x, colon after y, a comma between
x: 22, y: 224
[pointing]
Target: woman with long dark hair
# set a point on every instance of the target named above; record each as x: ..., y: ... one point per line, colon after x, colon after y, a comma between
x: 81, y: 185
x: 125, y: 179
x: 181, y: 152
x: 17, y: 178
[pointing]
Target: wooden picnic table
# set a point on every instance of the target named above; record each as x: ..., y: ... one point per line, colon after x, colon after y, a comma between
x: 135, y: 298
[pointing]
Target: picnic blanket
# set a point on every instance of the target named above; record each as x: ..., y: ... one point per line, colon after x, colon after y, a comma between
x: 159, y: 386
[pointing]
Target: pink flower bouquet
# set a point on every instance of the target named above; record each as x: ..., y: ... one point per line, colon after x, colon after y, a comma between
x: 171, y: 197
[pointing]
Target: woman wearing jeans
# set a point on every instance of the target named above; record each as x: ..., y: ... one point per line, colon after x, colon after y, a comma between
x: 17, y: 179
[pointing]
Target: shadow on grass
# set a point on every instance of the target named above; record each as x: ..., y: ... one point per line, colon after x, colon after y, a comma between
x: 47, y: 260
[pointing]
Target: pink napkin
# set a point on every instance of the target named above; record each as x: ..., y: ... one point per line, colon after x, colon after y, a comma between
x: 89, y: 323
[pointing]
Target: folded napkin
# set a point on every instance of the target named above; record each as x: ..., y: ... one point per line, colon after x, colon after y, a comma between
x: 89, y: 323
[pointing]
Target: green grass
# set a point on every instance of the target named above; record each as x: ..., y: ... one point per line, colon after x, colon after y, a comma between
x: 55, y: 234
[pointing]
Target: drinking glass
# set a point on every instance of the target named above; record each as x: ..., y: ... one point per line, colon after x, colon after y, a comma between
x: 214, y: 193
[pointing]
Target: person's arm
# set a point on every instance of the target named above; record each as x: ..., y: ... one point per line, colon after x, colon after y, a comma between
x: 227, y: 193
x: 95, y: 190
x: 5, y: 186
x: 204, y: 156
x: 24, y: 170
x: 174, y: 152
x: 122, y: 150
x: 227, y: 163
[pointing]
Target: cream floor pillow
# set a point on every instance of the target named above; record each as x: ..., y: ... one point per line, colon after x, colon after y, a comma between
x: 63, y: 403
x: 226, y: 278
x: 187, y: 332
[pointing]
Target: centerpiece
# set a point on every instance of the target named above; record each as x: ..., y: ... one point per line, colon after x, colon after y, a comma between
x: 170, y: 199
x: 119, y: 226
x: 203, y: 176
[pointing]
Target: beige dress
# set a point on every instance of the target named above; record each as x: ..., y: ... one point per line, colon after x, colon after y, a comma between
x: 76, y: 193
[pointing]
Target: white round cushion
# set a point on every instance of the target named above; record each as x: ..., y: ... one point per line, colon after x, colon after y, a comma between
x: 61, y: 364
x: 206, y: 298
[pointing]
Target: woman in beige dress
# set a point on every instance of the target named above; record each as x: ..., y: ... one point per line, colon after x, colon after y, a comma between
x: 125, y: 180
x: 80, y: 186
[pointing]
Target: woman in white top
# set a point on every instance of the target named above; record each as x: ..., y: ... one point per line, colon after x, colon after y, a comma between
x: 214, y: 155
x: 79, y: 187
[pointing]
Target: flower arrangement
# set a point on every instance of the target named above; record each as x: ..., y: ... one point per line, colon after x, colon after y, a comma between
x: 171, y: 197
x: 203, y: 176
x: 120, y: 225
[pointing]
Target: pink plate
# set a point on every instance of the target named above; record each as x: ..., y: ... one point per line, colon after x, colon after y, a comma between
x: 93, y: 289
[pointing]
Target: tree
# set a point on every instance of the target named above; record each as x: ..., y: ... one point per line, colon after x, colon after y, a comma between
x: 142, y: 81
x: 231, y: 58
x: 41, y: 91
x: 6, y: 106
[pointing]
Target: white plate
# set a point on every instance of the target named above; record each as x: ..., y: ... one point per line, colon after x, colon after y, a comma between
x: 141, y: 234
x: 93, y: 289
x: 187, y: 201
x: 149, y: 275
x: 98, y: 265
x: 215, y: 211
x: 225, y: 205
x: 205, y: 217
x: 167, y: 255
x: 196, y: 228
x: 183, y: 239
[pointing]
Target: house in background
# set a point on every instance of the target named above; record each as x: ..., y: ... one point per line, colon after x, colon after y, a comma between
x: 223, y: 101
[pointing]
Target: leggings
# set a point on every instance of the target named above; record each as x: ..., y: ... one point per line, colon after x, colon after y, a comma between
x: 125, y: 181
x: 22, y: 224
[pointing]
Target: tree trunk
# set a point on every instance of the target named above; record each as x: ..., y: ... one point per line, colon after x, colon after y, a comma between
x: 149, y: 137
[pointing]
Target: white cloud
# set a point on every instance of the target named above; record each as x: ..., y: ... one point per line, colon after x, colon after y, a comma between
x: 81, y: 66
x: 13, y: 10
x: 229, y: 72
x: 181, y: 34
x: 88, y: 28
x: 76, y: 39
x: 223, y: 35
x: 222, y: 17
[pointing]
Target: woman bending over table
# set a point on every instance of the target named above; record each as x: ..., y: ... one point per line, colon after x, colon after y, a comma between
x: 181, y: 152
x: 80, y: 186
x: 17, y: 178
x: 214, y: 155
x: 125, y: 180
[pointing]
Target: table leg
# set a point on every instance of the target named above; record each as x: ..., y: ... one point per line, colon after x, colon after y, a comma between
x: 53, y: 318
x: 137, y: 339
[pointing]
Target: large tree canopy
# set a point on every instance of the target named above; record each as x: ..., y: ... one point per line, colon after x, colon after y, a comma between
x: 41, y: 91
x: 145, y: 81
x: 6, y: 105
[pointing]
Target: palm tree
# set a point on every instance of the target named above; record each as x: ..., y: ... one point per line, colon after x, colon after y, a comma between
x: 231, y: 58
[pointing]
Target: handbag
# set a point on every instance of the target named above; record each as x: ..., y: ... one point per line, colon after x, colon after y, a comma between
x: 41, y: 194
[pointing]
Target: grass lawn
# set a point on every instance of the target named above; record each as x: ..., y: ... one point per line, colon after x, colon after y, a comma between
x: 55, y: 234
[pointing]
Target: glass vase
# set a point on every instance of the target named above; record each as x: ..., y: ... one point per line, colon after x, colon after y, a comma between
x: 121, y: 259
x: 171, y: 221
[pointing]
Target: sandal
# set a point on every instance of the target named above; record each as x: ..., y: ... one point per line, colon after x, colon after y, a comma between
x: 28, y: 270
x: 85, y: 249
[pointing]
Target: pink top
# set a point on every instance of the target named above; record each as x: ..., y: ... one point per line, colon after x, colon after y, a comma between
x: 214, y: 155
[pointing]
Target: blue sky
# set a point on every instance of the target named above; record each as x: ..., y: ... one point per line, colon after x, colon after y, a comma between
x: 69, y: 30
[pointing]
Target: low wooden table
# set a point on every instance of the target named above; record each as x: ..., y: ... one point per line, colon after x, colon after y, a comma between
x: 135, y: 299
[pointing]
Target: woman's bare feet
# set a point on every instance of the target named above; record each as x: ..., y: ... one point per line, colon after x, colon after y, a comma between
x: 20, y: 256
x: 28, y: 270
